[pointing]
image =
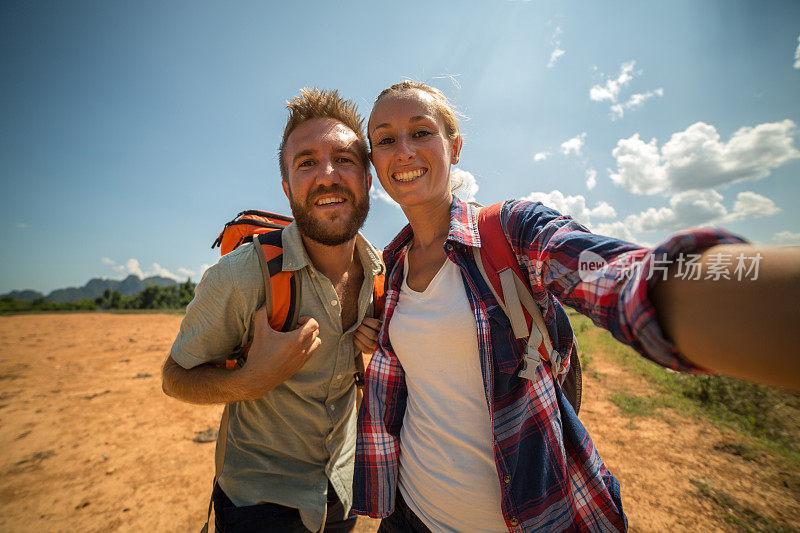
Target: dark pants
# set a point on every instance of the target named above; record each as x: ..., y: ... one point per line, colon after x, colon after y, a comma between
x: 402, y: 519
x: 274, y: 518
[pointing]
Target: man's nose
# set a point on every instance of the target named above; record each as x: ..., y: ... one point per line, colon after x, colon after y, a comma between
x: 328, y: 173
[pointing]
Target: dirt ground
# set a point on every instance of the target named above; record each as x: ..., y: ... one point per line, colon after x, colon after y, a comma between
x: 92, y: 444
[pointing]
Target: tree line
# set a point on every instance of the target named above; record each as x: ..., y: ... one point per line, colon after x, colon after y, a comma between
x: 153, y: 297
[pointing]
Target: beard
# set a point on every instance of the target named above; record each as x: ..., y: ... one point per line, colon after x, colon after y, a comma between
x: 329, y: 233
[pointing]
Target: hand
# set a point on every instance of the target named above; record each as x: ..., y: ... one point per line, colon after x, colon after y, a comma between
x: 275, y: 356
x: 365, y: 337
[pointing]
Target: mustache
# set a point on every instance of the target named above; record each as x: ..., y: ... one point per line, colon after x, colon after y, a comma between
x: 323, y: 190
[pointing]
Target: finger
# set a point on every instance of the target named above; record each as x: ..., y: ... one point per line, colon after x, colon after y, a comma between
x: 314, y: 345
x: 369, y: 334
x: 361, y: 343
x: 373, y: 323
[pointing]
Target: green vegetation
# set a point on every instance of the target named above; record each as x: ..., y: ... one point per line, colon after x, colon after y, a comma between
x: 768, y: 414
x: 154, y: 297
x: 734, y: 513
x: 634, y: 405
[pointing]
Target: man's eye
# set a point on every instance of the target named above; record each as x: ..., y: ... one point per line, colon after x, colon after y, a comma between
x: 306, y: 163
x: 386, y: 140
x: 345, y: 160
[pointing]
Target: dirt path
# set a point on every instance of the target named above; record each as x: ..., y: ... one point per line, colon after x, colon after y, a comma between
x: 92, y: 444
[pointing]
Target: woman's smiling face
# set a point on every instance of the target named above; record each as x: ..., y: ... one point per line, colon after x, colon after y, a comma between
x: 411, y: 151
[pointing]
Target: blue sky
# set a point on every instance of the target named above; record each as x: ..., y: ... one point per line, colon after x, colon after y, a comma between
x: 131, y: 131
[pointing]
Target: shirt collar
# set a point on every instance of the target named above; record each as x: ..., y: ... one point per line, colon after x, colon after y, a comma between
x: 295, y: 256
x: 463, y: 230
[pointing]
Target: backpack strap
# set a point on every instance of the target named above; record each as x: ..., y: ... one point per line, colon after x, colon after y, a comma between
x: 499, y: 267
x: 378, y: 301
x: 285, y: 292
x: 285, y: 287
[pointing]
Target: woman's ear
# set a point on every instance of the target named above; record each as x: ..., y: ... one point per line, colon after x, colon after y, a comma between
x: 456, y: 148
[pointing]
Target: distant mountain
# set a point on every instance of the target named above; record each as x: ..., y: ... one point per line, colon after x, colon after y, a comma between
x: 95, y: 287
x: 27, y: 295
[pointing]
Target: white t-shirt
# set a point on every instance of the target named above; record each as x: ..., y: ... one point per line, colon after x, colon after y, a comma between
x: 447, y: 473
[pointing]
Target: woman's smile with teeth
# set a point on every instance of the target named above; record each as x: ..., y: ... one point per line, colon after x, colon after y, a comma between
x: 328, y: 200
x: 410, y: 175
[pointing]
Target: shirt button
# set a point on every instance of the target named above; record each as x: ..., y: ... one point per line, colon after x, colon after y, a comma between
x: 506, y: 479
x: 332, y: 407
x: 514, y: 522
x: 339, y: 376
x: 334, y: 303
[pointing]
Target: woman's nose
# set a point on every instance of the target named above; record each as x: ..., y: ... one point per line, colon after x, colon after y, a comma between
x: 404, y: 151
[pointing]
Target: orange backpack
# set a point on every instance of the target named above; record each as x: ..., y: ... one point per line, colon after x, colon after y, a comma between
x: 264, y: 229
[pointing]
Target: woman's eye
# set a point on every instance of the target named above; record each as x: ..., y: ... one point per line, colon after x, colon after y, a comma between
x: 385, y: 140
x: 421, y: 133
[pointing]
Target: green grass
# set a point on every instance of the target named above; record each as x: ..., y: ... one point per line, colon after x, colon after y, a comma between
x: 736, y: 514
x: 635, y: 405
x: 769, y: 415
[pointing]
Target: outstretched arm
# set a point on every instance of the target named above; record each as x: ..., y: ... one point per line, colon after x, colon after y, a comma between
x: 740, y: 328
x: 744, y: 328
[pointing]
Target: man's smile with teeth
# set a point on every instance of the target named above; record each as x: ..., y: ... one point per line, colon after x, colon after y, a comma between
x: 410, y: 175
x: 328, y: 200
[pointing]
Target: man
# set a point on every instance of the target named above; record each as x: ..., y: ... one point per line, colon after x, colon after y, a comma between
x: 290, y: 443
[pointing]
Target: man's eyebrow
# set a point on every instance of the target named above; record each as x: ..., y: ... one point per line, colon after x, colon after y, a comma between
x: 348, y: 150
x: 302, y: 153
x: 415, y: 118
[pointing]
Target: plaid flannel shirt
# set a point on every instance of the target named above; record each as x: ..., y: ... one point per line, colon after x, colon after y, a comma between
x: 550, y: 474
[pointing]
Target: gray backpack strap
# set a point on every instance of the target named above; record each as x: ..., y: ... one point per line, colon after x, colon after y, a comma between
x: 515, y: 296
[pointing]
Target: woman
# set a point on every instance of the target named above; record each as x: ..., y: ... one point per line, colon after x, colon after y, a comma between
x: 451, y: 438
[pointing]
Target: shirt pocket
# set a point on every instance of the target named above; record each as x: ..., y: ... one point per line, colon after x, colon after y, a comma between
x: 507, y: 351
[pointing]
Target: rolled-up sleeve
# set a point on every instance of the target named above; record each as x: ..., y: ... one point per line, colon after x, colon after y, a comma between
x: 214, y: 325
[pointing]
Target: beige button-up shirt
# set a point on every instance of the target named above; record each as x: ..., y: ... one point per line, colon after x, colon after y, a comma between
x: 285, y: 446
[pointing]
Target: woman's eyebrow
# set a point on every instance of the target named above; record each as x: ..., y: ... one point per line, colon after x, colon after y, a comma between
x: 415, y: 118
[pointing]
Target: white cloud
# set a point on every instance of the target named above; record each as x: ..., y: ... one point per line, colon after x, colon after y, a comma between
x: 634, y: 102
x: 467, y: 184
x: 591, y: 178
x: 573, y: 145
x: 696, y: 158
x: 751, y: 205
x: 132, y: 266
x: 377, y: 193
x: 540, y: 156
x: 612, y: 87
x: 695, y: 208
x: 575, y: 206
x: 797, y: 54
x: 618, y: 230
x: 557, y: 50
x: 786, y: 237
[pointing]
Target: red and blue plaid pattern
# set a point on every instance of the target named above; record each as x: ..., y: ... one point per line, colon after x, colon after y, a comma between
x: 550, y: 474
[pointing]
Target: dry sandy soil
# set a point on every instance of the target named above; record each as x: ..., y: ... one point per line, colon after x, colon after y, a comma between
x: 92, y: 444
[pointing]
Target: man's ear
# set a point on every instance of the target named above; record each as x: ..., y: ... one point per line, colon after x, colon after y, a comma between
x: 456, y: 147
x: 286, y: 191
x: 369, y: 180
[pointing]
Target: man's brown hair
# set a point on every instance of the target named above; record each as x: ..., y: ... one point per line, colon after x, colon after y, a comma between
x: 322, y: 103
